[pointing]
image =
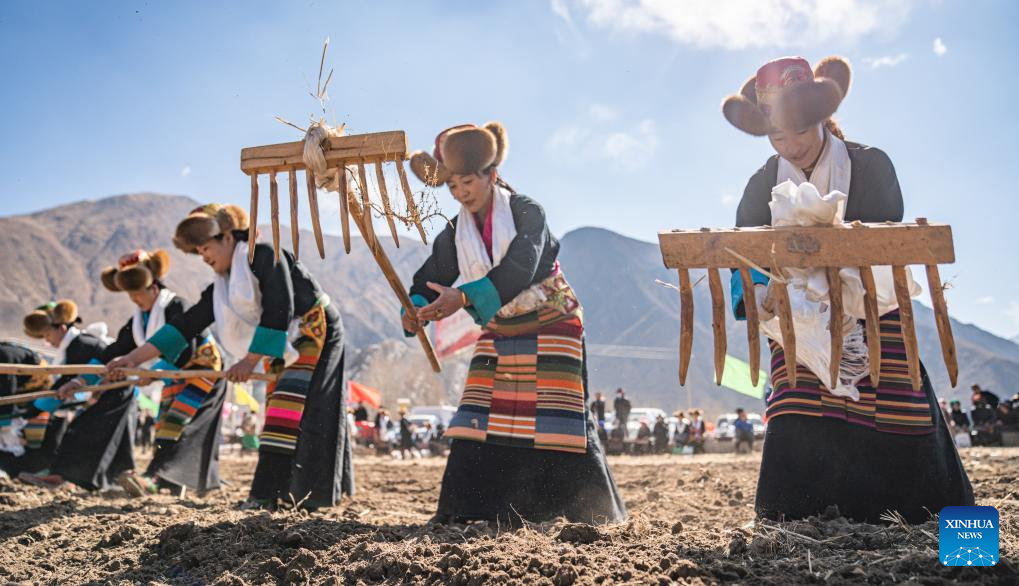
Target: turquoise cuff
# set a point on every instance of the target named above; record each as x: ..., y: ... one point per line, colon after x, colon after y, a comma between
x: 484, y: 298
x: 47, y: 404
x: 91, y: 379
x: 164, y: 365
x: 169, y: 341
x: 736, y: 290
x: 268, y: 342
x: 418, y: 301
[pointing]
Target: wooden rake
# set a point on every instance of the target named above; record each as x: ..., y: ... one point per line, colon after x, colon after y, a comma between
x: 849, y: 245
x: 344, y: 153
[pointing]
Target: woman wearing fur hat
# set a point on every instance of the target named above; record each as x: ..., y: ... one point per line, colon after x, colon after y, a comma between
x: 891, y: 449
x: 523, y: 445
x: 304, y: 454
x: 187, y: 434
x: 99, y: 443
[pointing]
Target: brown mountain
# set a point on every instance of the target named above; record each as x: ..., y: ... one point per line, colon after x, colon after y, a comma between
x: 632, y: 323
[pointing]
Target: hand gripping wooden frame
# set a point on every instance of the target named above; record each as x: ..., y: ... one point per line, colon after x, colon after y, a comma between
x: 342, y: 152
x: 848, y: 245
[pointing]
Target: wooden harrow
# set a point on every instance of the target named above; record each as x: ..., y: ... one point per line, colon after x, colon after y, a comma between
x: 346, y: 154
x: 849, y: 245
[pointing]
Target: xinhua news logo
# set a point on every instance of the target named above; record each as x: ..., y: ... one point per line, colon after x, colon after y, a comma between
x: 968, y: 536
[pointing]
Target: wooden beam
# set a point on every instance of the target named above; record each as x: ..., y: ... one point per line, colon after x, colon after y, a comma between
x: 345, y: 208
x: 937, y: 290
x: 409, y: 196
x: 363, y: 148
x: 253, y: 227
x: 295, y: 228
x: 908, y: 327
x: 316, y: 225
x: 685, y: 324
x: 274, y: 213
x: 872, y: 324
x: 785, y: 323
x: 753, y: 324
x: 380, y: 178
x: 806, y: 247
x: 100, y: 369
x: 835, y: 324
x: 718, y: 322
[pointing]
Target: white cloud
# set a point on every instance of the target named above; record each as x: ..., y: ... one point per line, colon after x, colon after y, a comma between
x: 601, y: 112
x: 561, y: 10
x: 739, y: 24
x: 631, y: 150
x: 627, y: 148
x: 885, y: 61
x: 729, y: 200
x: 985, y: 300
x: 185, y: 171
x: 939, y: 47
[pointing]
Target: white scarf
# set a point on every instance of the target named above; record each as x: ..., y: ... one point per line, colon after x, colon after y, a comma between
x: 472, y: 257
x: 237, y: 307
x: 72, y: 333
x: 142, y: 330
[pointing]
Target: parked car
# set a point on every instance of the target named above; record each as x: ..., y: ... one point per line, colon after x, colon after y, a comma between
x: 636, y: 414
x: 443, y: 413
x: 725, y: 431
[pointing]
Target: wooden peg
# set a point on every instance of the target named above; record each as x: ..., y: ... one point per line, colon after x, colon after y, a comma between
x: 872, y: 324
x: 345, y: 207
x: 836, y: 317
x: 366, y: 204
x: 937, y: 290
x: 316, y: 225
x: 411, y: 208
x: 380, y: 178
x: 253, y: 226
x: 717, y: 321
x: 295, y: 229
x: 753, y: 324
x: 785, y: 323
x: 685, y: 324
x: 908, y: 327
x: 274, y: 213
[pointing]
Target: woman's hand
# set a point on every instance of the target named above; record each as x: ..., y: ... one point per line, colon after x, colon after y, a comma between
x: 241, y: 372
x: 409, y: 324
x: 114, y: 368
x: 450, y: 301
x: 69, y: 388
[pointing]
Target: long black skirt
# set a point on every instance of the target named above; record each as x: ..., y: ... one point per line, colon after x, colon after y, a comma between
x: 99, y: 443
x: 192, y: 460
x: 488, y: 482
x: 810, y: 463
x: 320, y: 469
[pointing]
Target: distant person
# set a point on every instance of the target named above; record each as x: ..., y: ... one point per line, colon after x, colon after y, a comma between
x: 991, y: 399
x: 661, y: 435
x: 984, y: 419
x: 598, y: 410
x: 697, y: 430
x: 959, y: 417
x: 361, y: 413
x: 378, y: 431
x: 623, y: 407
x: 682, y: 432
x: 145, y: 429
x: 743, y: 432
x: 406, y: 437
x: 642, y: 445
x: 249, y: 433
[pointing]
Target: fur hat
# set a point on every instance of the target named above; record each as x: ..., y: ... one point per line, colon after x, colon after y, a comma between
x: 786, y: 95
x: 207, y: 222
x: 54, y: 313
x: 461, y: 150
x: 136, y: 270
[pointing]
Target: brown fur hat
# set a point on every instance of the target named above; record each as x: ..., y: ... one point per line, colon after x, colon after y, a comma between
x: 207, y: 222
x: 54, y: 313
x: 461, y: 150
x: 136, y: 270
x: 786, y: 95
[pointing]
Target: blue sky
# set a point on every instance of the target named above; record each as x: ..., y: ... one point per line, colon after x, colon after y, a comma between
x: 612, y: 106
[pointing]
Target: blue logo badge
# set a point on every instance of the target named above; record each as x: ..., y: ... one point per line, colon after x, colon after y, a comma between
x: 968, y: 536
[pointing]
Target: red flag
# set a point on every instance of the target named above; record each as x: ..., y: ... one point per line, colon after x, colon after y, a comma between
x: 364, y: 394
